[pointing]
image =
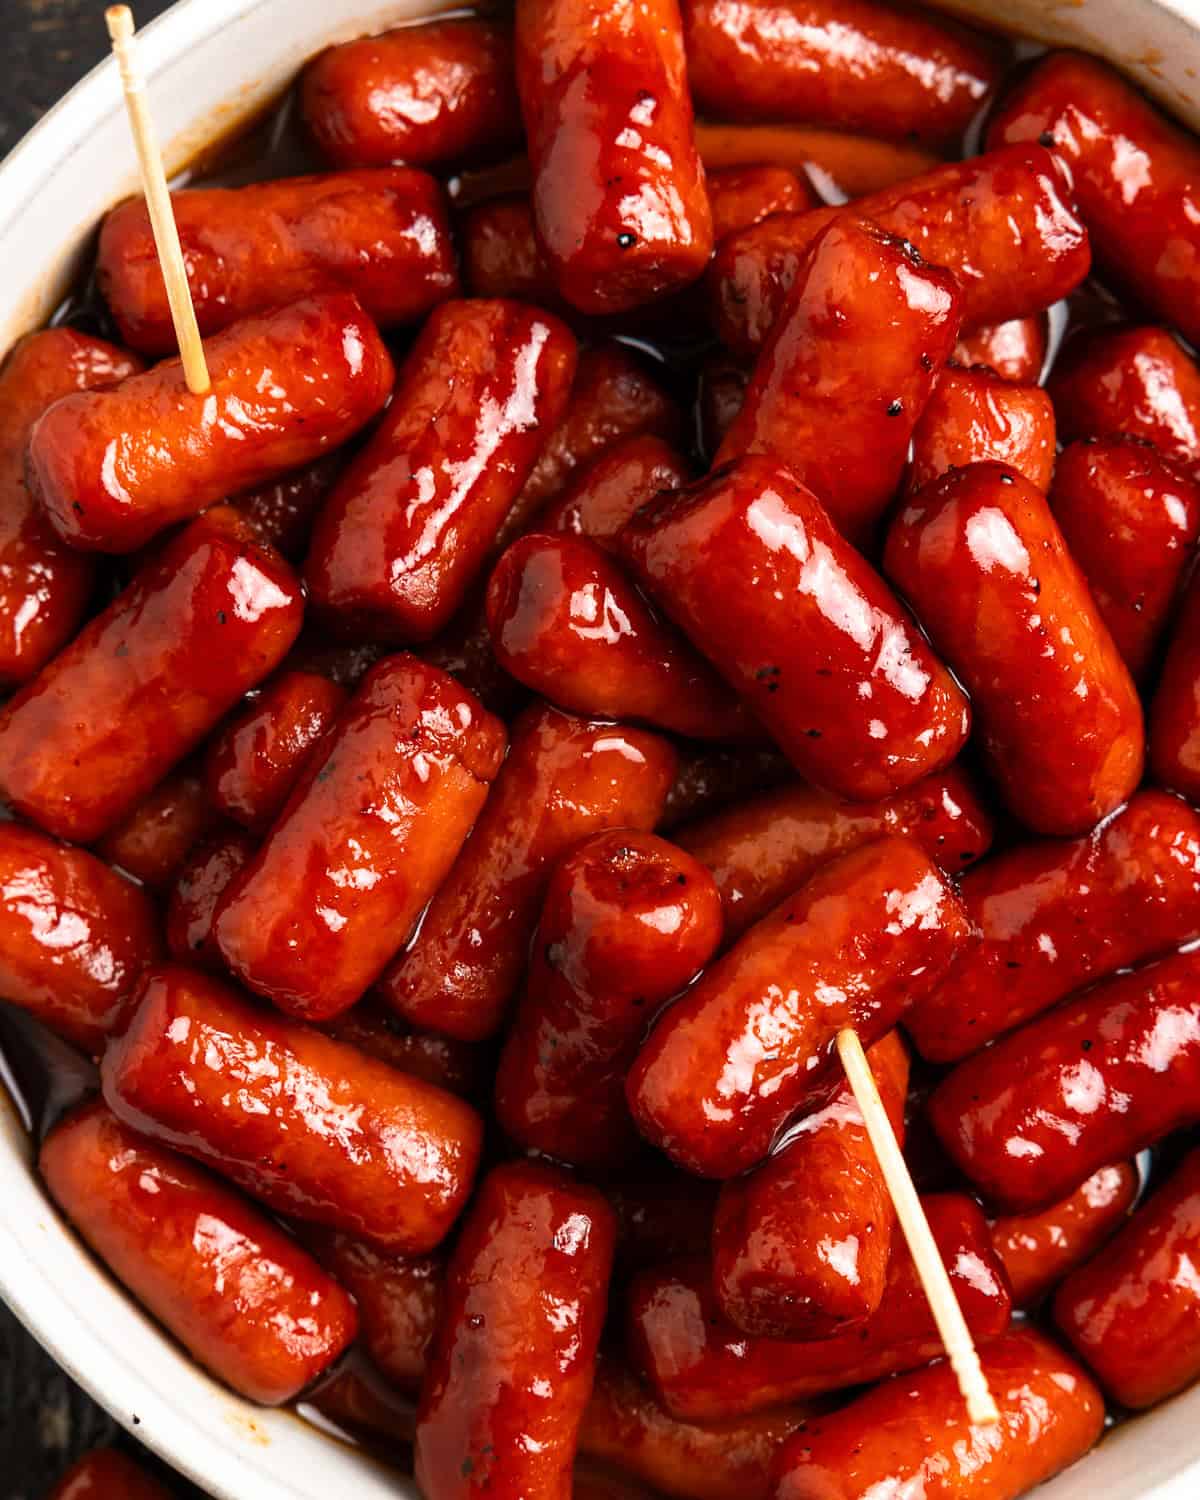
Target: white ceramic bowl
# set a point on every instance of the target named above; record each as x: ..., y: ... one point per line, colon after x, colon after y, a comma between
x: 211, y: 62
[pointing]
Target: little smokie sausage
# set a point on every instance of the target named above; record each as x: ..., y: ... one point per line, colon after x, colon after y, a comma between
x: 860, y: 66
x: 197, y: 893
x: 765, y: 847
x: 1097, y: 1080
x: 703, y: 1369
x: 1016, y: 350
x: 912, y: 1435
x: 1003, y: 224
x: 602, y: 497
x: 463, y: 1068
x: 312, y: 1127
x: 564, y: 779
x: 1131, y: 519
x: 848, y: 368
x: 44, y: 585
x: 144, y: 681
x: 112, y: 468
x: 1175, y: 709
x: 627, y: 922
x: 367, y: 835
x: 855, y: 164
x: 412, y: 521
x: 566, y: 621
x: 618, y: 189
x: 105, y: 1474
x: 384, y: 236
x: 741, y: 196
x: 421, y: 94
x: 192, y: 1251
x: 1133, y: 1312
x: 254, y: 762
x: 152, y: 843
x: 514, y: 1353
x: 1142, y: 218
x: 981, y: 560
x: 807, y: 633
x: 751, y: 1044
x: 74, y: 935
x: 975, y: 415
x: 1133, y: 886
x: 801, y: 1244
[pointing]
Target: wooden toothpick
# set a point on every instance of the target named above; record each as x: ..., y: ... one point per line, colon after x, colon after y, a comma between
x: 119, y: 19
x: 951, y: 1325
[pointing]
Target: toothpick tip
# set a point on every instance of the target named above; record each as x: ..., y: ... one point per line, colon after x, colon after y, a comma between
x: 119, y: 20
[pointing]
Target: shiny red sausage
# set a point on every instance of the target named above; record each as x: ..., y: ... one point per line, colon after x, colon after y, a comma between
x: 1016, y: 350
x: 848, y: 369
x: 312, y: 1127
x: 384, y: 236
x: 254, y: 762
x: 858, y: 65
x: 1132, y: 886
x: 975, y: 415
x: 807, y: 633
x: 751, y: 1045
x: 1131, y: 519
x: 618, y: 191
x: 567, y: 622
x: 1003, y: 224
x: 912, y: 1434
x: 152, y: 843
x: 1133, y: 1313
x: 105, y: 1474
x: 604, y: 495
x: 144, y: 681
x: 854, y: 164
x: 1106, y: 1074
x: 1038, y: 1249
x: 564, y: 779
x: 980, y: 558
x: 514, y: 1353
x: 44, y: 586
x: 282, y: 512
x: 1175, y: 709
x: 112, y: 468
x: 801, y: 1244
x: 763, y: 848
x: 703, y: 1369
x: 628, y: 920
x: 1133, y: 173
x: 741, y: 196
x: 425, y: 94
x: 463, y: 1068
x: 501, y: 256
x: 242, y: 1297
x: 197, y: 893
x: 411, y: 522
x: 369, y: 832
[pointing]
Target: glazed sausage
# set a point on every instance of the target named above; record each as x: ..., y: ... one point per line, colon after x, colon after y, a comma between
x: 426, y: 94
x: 853, y: 164
x: 709, y: 779
x: 1175, y: 709
x: 618, y: 190
x: 1003, y: 224
x: 411, y: 522
x: 112, y: 468
x: 1133, y: 886
x: 145, y: 680
x: 254, y: 762
x: 514, y: 1352
x: 564, y: 779
x: 312, y: 1127
x: 765, y: 847
x: 628, y: 920
x: 913, y: 1436
x: 751, y: 1045
x: 282, y: 512
x: 197, y: 891
x: 105, y: 1474
x: 153, y: 842
x: 1095, y: 1081
x: 188, y: 1248
x: 848, y: 369
x: 462, y: 1068
x: 981, y: 559
x: 1038, y: 1249
x: 566, y: 621
x: 369, y: 832
x: 859, y: 66
x: 74, y: 936
x: 774, y: 1272
x: 1131, y: 519
x: 1016, y: 350
x: 742, y: 196
x: 975, y: 415
x: 44, y: 586
x: 1142, y: 219
x: 1132, y: 1314
x: 384, y: 236
x: 807, y: 633
x: 703, y: 1369
x: 597, y: 503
